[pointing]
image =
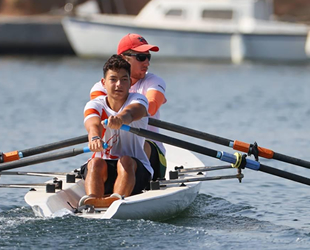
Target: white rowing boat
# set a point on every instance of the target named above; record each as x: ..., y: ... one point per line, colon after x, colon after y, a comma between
x: 167, y: 202
x: 166, y: 198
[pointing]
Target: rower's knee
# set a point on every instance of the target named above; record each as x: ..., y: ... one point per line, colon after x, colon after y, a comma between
x: 97, y: 165
x: 127, y: 164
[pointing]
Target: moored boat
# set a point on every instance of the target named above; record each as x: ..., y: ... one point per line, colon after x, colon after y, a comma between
x: 200, y: 29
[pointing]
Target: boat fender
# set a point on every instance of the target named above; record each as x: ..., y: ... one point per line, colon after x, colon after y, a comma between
x: 1, y: 157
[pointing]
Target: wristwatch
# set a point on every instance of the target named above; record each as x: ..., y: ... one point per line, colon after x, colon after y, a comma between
x: 95, y: 138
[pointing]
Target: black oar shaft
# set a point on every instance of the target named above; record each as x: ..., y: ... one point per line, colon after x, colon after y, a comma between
x: 284, y: 174
x: 216, y: 154
x: 16, y: 155
x: 189, y: 132
x: 226, y: 142
x: 42, y: 174
x: 174, y: 141
x: 41, y: 158
x: 22, y: 185
x: 54, y: 146
x: 291, y: 160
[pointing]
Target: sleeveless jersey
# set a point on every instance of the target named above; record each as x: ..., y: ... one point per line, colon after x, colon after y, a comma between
x: 149, y: 82
x: 120, y: 142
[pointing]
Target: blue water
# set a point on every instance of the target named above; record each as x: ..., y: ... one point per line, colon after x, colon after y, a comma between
x: 42, y: 101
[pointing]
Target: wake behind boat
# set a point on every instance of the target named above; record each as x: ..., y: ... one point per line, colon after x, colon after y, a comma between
x: 166, y: 202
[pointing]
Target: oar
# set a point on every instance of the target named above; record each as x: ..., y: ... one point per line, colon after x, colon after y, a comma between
x: 236, y: 160
x: 42, y: 174
x: 16, y: 155
x: 201, y: 169
x: 27, y: 185
x: 43, y: 158
x: 212, y: 178
x: 237, y: 145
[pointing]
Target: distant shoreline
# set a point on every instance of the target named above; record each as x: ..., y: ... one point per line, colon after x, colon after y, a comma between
x: 284, y: 10
x: 33, y: 35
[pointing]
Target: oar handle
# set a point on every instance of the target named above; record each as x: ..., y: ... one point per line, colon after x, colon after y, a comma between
x: 123, y: 127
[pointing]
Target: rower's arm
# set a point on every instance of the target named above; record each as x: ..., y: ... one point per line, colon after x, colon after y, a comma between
x: 156, y: 99
x: 131, y: 113
x: 94, y: 129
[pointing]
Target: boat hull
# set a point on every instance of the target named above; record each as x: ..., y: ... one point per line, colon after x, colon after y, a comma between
x: 162, y: 204
x: 96, y: 37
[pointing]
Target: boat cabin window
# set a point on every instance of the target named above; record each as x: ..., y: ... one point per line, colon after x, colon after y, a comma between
x: 175, y: 13
x: 217, y: 14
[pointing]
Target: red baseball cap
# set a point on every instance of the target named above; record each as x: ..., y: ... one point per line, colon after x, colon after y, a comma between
x: 134, y: 42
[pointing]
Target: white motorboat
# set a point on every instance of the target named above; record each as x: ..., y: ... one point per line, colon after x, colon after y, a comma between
x: 233, y: 30
x: 166, y: 202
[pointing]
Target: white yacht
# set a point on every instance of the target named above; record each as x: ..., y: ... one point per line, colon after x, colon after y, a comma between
x: 234, y: 30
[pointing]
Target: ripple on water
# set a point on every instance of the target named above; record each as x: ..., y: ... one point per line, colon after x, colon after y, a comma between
x: 208, y: 222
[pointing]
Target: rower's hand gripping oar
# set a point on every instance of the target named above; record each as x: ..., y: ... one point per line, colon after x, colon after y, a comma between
x: 45, y: 158
x: 16, y: 155
x: 237, y: 145
x: 236, y: 160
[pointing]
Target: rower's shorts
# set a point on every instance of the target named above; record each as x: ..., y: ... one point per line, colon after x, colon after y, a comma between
x: 158, y: 161
x: 143, y: 176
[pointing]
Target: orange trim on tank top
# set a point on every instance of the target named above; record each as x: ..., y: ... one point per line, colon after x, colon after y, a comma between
x: 95, y: 94
x: 90, y: 112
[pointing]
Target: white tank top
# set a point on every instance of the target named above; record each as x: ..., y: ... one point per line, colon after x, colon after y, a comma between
x: 120, y: 142
x: 149, y: 82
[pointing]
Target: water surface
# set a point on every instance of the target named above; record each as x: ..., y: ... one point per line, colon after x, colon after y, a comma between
x: 42, y: 101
